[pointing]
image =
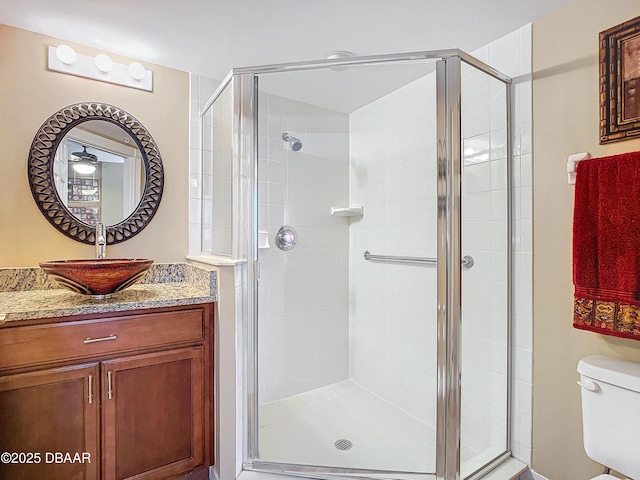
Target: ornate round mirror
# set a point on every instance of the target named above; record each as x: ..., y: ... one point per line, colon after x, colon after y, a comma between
x: 94, y: 163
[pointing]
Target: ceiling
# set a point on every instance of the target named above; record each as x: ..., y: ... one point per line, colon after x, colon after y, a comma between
x: 209, y: 37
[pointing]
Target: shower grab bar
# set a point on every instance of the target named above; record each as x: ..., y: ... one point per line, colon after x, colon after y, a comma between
x: 467, y: 260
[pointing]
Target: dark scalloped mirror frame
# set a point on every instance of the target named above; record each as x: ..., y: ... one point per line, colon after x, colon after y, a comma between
x: 40, y: 171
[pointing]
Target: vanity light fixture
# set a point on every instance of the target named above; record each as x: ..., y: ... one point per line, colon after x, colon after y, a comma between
x: 137, y: 71
x: 64, y: 59
x: 104, y: 63
x: 66, y: 54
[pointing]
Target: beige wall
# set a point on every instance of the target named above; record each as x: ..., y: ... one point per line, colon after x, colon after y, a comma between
x: 566, y: 120
x: 29, y: 94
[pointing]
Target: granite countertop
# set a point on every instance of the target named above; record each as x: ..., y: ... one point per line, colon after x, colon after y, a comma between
x: 27, y: 293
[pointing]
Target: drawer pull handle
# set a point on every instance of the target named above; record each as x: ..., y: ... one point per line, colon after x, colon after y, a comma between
x: 102, y: 339
x: 90, y: 389
x: 110, y: 384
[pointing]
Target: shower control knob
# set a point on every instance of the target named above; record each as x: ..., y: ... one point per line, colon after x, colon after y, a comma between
x: 286, y: 238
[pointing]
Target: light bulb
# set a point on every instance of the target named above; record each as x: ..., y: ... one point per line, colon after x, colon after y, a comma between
x: 137, y: 71
x: 104, y: 63
x: 66, y: 54
x: 84, y: 169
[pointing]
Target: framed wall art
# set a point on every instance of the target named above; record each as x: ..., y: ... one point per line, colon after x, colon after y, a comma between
x: 620, y: 82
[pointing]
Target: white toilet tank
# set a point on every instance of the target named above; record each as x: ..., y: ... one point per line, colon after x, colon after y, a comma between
x: 611, y: 412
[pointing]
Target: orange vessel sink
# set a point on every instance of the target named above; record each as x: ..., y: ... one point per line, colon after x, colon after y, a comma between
x: 97, y: 277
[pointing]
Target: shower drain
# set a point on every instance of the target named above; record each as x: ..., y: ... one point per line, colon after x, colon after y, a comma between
x: 343, y: 444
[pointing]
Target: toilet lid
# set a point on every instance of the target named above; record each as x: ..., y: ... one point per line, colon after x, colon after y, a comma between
x: 604, y: 476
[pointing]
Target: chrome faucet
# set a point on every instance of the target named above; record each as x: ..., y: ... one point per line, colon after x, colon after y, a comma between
x: 101, y: 242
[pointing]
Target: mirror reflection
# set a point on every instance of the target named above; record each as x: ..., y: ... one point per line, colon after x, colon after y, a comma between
x: 99, y: 173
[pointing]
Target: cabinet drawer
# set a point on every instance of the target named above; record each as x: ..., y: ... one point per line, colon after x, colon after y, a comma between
x: 73, y: 340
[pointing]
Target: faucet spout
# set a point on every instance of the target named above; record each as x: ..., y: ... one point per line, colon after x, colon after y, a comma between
x: 101, y: 242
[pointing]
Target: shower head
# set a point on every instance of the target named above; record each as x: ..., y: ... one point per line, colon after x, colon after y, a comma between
x: 294, y: 143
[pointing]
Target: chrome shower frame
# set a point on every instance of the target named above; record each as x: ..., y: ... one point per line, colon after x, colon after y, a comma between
x: 449, y: 229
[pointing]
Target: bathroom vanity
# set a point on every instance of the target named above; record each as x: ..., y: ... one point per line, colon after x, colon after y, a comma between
x: 121, y: 390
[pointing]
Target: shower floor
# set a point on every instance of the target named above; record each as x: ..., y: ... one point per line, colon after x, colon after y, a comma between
x: 303, y: 429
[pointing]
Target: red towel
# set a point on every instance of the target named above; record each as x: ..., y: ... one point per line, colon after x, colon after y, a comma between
x: 606, y: 245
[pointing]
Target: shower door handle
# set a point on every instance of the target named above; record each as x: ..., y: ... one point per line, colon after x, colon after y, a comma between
x: 467, y: 260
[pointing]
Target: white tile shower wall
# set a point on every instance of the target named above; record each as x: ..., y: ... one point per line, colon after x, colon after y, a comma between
x: 392, y: 316
x: 521, y: 443
x: 230, y: 315
x: 303, y: 334
x: 393, y: 306
x: 511, y: 54
x: 484, y: 237
x: 201, y: 89
x: 216, y: 176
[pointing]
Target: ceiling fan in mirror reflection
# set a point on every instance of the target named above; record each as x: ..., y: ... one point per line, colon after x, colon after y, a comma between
x: 83, y: 162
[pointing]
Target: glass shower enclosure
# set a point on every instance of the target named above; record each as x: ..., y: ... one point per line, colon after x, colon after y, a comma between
x: 370, y: 198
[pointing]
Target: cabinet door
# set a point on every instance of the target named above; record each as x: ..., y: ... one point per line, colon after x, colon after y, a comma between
x: 50, y: 418
x: 153, y: 417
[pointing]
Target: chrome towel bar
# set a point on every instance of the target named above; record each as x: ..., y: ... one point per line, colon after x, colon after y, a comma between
x: 467, y: 260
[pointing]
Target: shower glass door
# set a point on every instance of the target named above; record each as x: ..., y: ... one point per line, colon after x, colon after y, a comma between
x: 373, y: 202
x: 486, y: 183
x: 347, y: 298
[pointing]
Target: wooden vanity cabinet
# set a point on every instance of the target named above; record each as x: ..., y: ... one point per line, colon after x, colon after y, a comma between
x: 154, y: 400
x: 132, y: 390
x: 48, y: 411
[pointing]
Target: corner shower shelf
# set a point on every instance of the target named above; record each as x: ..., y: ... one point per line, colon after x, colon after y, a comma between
x: 347, y: 212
